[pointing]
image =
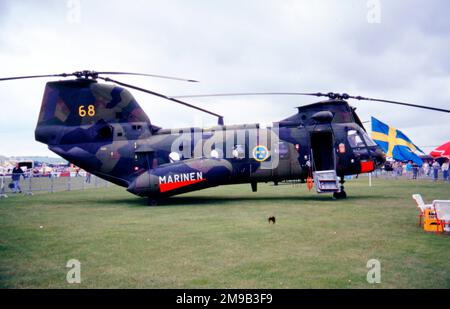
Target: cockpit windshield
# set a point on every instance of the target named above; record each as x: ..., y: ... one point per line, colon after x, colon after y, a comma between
x: 359, y: 139
x: 368, y: 140
x: 354, y: 139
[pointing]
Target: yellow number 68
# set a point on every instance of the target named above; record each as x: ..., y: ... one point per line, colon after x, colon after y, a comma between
x: 90, y: 111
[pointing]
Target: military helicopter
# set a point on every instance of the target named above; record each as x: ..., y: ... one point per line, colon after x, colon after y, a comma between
x: 101, y: 128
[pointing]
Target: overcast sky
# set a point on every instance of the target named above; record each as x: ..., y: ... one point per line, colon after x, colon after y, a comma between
x: 233, y: 46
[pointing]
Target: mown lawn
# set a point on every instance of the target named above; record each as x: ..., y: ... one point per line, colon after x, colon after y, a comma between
x: 220, y: 238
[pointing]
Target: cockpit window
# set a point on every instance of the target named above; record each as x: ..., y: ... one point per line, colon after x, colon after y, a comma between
x: 354, y: 139
x: 368, y: 140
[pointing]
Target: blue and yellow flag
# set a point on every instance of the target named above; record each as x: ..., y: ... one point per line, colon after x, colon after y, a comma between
x: 394, y: 143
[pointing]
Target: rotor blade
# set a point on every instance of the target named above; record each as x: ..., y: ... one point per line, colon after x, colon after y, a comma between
x: 107, y: 79
x: 400, y: 103
x: 330, y: 95
x: 150, y: 75
x: 318, y: 94
x: 36, y: 76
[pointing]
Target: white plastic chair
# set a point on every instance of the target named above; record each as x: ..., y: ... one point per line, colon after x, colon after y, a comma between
x: 442, y: 210
x: 421, y: 205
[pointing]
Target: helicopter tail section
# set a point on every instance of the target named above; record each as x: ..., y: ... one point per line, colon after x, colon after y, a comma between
x: 93, y: 126
x: 83, y: 103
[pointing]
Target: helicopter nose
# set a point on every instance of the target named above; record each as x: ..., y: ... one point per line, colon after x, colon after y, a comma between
x: 380, y: 157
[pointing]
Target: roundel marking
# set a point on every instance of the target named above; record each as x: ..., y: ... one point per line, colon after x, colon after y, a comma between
x: 261, y: 153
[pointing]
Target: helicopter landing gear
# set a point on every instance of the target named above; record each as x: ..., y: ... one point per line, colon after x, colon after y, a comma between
x: 341, y: 194
x: 152, y: 201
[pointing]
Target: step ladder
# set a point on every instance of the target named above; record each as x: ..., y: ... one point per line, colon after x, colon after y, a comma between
x: 326, y: 181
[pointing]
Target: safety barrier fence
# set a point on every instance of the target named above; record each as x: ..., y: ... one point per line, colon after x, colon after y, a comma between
x: 30, y: 183
x: 401, y: 174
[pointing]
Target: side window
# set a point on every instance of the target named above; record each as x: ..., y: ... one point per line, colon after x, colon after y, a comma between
x: 283, y: 150
x: 216, y: 153
x: 354, y: 139
x: 239, y: 152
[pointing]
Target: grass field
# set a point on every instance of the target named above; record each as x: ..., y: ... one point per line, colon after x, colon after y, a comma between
x: 220, y: 238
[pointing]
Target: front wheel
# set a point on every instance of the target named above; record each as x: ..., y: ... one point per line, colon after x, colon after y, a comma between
x: 340, y: 195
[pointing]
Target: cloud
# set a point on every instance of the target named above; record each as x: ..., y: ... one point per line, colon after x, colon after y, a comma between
x: 234, y: 46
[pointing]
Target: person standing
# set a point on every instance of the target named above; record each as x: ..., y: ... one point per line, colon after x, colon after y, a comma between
x: 415, y: 170
x: 445, y: 167
x: 16, y: 173
x: 88, y: 177
x: 436, y: 167
x: 400, y: 169
x: 408, y: 169
x: 426, y: 169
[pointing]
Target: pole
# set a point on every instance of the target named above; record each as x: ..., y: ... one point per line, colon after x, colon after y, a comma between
x: 51, y: 185
x: 30, y: 175
x: 2, y: 188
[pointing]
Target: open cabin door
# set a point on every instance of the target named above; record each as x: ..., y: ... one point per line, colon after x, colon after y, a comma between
x: 324, y: 161
x: 144, y: 158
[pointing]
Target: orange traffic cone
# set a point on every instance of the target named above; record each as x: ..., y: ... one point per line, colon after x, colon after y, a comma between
x: 309, y: 183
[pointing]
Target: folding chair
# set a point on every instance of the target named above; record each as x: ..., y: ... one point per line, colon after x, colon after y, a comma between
x: 442, y: 210
x: 422, y: 206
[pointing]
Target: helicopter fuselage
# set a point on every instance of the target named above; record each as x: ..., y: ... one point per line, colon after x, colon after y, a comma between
x: 102, y: 129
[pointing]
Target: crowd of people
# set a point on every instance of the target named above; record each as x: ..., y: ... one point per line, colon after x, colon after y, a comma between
x: 429, y: 169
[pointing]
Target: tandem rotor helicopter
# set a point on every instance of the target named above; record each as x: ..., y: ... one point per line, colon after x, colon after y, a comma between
x: 101, y: 128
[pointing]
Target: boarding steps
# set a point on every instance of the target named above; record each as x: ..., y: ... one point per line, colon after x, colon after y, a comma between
x: 326, y: 181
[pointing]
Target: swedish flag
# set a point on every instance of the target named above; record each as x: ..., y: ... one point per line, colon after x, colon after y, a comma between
x: 394, y: 143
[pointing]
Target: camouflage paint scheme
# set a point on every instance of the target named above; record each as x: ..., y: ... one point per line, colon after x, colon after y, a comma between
x: 120, y: 144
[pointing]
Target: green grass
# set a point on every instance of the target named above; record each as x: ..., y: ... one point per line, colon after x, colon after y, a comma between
x: 220, y: 238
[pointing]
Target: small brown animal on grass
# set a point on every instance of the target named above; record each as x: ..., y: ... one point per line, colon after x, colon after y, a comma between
x: 271, y: 220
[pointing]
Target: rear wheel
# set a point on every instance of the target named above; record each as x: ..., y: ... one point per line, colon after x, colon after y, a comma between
x: 152, y: 202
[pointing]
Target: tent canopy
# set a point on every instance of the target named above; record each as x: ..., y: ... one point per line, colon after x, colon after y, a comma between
x: 441, y: 151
